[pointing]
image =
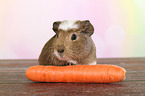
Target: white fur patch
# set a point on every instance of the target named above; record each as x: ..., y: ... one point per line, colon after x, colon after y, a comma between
x: 93, y: 63
x: 72, y: 61
x: 68, y: 24
x: 57, y: 55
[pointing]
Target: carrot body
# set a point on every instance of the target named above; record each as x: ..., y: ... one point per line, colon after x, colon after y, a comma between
x: 76, y: 73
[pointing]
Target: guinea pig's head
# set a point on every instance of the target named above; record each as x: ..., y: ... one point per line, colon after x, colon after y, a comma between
x: 73, y: 39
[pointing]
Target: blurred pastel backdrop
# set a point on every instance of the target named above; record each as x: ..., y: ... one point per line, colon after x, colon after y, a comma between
x: 26, y: 25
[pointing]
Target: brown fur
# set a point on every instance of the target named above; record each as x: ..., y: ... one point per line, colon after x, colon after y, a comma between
x: 82, y: 50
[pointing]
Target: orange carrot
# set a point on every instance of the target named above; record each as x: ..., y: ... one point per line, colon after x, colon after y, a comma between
x: 76, y: 73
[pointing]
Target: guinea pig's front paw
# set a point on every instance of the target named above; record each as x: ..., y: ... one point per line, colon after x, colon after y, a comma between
x: 69, y: 64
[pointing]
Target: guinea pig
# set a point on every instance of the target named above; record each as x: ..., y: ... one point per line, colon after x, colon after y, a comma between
x: 71, y: 45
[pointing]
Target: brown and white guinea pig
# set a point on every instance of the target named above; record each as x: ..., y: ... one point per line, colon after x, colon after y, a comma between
x: 71, y: 45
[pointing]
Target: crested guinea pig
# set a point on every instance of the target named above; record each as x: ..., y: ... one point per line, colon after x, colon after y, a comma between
x: 71, y: 45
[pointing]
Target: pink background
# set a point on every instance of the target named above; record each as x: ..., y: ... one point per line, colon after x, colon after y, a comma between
x: 26, y: 25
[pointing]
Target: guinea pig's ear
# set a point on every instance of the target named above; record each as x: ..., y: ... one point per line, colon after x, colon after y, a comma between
x: 55, y: 26
x: 87, y: 28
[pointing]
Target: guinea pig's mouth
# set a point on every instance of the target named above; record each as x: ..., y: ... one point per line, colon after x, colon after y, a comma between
x: 61, y: 56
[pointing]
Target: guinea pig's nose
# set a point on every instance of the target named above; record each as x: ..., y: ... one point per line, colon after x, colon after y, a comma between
x: 60, y: 50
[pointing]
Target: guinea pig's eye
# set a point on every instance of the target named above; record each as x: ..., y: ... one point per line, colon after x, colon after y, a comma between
x: 73, y: 37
